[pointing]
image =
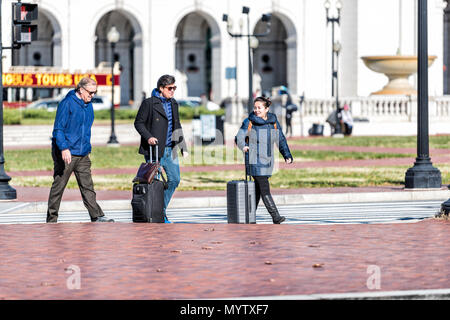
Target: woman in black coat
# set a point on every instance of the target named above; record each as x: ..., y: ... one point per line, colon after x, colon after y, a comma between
x: 263, y: 131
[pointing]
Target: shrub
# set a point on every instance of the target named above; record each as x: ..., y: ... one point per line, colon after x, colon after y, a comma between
x: 188, y: 113
x: 14, y: 116
x: 11, y: 116
x: 37, y: 114
x: 121, y: 114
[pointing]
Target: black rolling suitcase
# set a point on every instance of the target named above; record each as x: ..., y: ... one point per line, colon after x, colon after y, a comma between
x: 241, y: 202
x: 148, y: 199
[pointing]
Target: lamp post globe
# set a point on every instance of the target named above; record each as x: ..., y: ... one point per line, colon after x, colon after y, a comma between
x: 113, y: 35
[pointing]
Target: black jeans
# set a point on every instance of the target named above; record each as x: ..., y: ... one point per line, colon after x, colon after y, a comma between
x: 262, y: 187
x: 81, y: 166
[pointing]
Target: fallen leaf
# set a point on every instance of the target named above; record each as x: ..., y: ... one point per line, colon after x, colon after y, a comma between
x: 317, y: 265
x: 268, y: 262
x: 47, y: 284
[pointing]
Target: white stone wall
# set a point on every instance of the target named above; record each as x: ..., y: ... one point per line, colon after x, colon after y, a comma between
x: 368, y: 28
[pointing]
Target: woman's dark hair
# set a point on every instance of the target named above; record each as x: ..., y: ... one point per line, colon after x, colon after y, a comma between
x: 165, y: 80
x: 264, y: 100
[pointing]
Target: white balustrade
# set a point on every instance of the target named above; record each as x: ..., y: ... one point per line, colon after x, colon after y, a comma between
x: 376, y: 114
x: 377, y: 108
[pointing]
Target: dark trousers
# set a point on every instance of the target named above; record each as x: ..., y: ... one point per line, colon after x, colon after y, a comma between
x: 81, y: 167
x: 288, y: 126
x: 347, y: 129
x: 262, y: 188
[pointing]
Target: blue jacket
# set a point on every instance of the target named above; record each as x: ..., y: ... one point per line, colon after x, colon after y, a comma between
x: 72, y: 127
x: 261, y: 141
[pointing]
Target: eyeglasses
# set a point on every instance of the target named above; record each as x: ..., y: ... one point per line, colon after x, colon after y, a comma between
x: 91, y: 93
x: 173, y: 88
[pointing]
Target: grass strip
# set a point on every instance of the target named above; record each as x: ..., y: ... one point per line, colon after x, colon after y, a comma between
x: 284, y: 179
x: 128, y: 157
x: 437, y: 142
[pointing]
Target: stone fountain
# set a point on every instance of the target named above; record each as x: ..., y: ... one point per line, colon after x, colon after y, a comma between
x: 398, y: 68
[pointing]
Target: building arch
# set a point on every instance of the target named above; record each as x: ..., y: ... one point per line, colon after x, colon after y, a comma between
x: 128, y: 51
x: 275, y: 58
x: 45, y: 51
x: 198, y: 55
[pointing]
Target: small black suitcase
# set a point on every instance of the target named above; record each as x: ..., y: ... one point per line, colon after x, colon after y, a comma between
x: 241, y: 201
x: 148, y: 199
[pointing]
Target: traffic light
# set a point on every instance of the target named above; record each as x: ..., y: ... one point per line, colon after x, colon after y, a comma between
x: 23, y: 32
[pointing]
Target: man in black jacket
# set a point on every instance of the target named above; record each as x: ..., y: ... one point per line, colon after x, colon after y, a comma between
x: 158, y: 123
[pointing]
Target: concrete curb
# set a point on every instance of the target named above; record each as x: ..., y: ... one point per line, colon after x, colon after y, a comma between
x: 431, y: 294
x: 216, y: 202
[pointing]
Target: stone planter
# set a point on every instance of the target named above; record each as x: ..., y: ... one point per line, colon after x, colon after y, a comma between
x: 398, y: 69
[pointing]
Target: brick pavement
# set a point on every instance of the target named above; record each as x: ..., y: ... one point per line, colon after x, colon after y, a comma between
x: 193, y: 261
x: 183, y: 261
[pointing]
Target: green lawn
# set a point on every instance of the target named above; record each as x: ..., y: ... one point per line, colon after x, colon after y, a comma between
x: 323, y: 155
x: 442, y: 142
x: 127, y: 157
x: 284, y: 179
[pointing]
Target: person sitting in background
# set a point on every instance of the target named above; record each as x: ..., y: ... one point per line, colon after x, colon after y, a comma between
x: 346, y: 121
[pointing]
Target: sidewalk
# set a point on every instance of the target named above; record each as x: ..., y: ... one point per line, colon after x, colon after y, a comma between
x: 215, y: 261
x: 34, y: 200
x: 204, y: 261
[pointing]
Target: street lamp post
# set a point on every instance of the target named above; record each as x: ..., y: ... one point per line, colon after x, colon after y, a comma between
x: 265, y: 18
x: 422, y: 174
x: 113, y: 37
x: 6, y: 191
x: 336, y: 48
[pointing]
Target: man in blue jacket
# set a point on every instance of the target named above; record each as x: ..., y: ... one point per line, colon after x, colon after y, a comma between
x: 71, y: 146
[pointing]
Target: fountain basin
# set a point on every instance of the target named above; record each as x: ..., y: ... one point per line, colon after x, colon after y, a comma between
x: 398, y: 69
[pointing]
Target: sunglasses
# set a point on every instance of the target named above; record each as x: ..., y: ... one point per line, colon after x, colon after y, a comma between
x: 91, y: 93
x: 173, y: 88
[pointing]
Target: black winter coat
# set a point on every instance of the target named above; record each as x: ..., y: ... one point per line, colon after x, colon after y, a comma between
x: 151, y: 121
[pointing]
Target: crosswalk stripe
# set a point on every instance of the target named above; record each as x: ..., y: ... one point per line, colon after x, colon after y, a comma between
x: 351, y: 213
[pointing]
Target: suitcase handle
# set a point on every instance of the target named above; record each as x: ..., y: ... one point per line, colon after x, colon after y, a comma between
x: 249, y: 207
x: 247, y: 176
x: 160, y: 174
x: 151, y: 154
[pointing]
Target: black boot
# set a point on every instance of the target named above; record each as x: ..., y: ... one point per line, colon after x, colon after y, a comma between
x: 272, y: 208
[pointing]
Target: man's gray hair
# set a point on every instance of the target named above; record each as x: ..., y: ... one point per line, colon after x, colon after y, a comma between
x: 86, y: 81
